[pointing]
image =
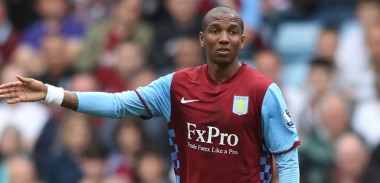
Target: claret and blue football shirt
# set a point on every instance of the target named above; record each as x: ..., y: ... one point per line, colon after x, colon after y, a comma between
x: 219, y: 132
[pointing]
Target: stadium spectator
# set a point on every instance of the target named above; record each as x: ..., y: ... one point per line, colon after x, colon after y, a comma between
x: 327, y: 49
x: 183, y: 20
x: 129, y: 137
x: 151, y: 167
x: 103, y: 39
x: 76, y: 133
x: 352, y: 158
x: 320, y: 82
x: 327, y: 43
x: 130, y: 60
x: 187, y: 54
x: 335, y: 116
x: 57, y: 68
x: 352, y: 55
x: 317, y: 151
x: 55, y: 19
x: 93, y: 164
x: 10, y: 143
x: 269, y: 63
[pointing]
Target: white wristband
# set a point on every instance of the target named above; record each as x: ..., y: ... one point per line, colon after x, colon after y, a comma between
x: 54, y: 95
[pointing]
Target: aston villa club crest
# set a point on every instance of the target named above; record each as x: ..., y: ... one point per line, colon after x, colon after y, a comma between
x: 240, y: 106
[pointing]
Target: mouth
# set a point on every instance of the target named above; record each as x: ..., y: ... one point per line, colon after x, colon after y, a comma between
x: 223, y: 51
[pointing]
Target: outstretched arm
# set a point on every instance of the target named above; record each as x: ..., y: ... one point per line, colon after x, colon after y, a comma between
x: 70, y: 100
x: 31, y: 90
x: 148, y: 101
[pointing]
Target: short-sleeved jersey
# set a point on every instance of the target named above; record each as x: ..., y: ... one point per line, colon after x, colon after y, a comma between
x: 224, y: 132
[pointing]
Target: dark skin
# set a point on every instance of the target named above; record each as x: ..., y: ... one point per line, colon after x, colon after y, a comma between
x: 31, y: 90
x: 222, y: 37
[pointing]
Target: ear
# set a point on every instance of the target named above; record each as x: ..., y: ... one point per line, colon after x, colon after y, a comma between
x: 201, y: 39
x: 242, y: 41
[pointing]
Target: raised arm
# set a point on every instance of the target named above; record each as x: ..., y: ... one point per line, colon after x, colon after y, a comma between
x: 31, y: 90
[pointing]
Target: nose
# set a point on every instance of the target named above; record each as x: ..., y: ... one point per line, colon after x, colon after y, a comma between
x: 224, y: 38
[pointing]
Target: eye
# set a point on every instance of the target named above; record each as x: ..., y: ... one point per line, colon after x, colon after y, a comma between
x: 214, y: 31
x: 234, y: 32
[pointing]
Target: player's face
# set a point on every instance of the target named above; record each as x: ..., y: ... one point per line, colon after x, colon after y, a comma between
x: 222, y: 38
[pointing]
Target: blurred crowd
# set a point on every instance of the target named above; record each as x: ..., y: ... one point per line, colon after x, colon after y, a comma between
x: 324, y: 55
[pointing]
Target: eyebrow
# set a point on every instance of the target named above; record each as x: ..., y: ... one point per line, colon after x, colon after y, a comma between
x: 213, y: 25
x: 235, y: 26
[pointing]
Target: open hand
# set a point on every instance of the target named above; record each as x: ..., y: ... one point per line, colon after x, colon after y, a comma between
x: 24, y: 90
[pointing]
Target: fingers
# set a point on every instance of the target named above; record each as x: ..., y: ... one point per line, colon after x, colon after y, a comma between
x: 8, y: 93
x: 10, y: 85
x: 13, y: 101
x: 12, y: 98
x: 24, y: 80
x: 5, y: 96
x: 8, y: 90
x: 5, y: 91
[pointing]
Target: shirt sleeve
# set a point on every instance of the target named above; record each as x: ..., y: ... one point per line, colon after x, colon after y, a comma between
x: 148, y: 101
x: 279, y: 130
x: 288, y: 167
x: 156, y: 97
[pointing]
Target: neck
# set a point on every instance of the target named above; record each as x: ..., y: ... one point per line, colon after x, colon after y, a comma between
x: 220, y: 73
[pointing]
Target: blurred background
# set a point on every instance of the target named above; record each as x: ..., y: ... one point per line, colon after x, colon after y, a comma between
x: 324, y: 55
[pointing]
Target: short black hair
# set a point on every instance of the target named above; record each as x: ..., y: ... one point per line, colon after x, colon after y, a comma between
x: 221, y: 9
x: 327, y: 64
x: 330, y: 29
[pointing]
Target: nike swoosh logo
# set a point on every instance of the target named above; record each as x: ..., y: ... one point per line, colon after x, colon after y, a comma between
x: 183, y: 101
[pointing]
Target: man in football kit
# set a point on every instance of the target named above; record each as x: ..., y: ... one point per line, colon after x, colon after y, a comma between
x: 226, y: 121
